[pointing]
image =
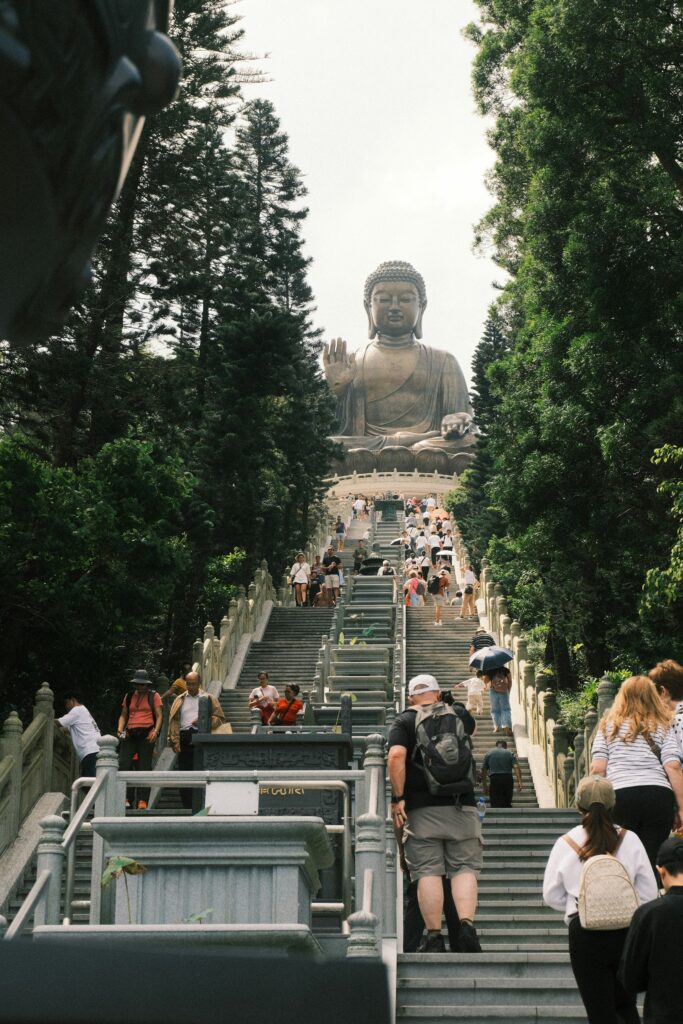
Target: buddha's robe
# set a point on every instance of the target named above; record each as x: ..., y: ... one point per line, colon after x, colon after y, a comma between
x: 405, y: 414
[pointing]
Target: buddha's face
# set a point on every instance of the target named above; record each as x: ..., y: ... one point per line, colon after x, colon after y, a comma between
x: 394, y: 308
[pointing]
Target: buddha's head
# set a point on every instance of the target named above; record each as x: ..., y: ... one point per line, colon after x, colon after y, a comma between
x: 395, y: 299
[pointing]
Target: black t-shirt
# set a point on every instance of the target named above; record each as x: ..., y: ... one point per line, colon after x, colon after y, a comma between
x: 331, y: 562
x: 417, y: 794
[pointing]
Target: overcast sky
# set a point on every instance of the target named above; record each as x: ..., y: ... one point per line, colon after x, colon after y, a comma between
x: 375, y: 96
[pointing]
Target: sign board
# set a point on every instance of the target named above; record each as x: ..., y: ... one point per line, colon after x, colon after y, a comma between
x: 232, y: 799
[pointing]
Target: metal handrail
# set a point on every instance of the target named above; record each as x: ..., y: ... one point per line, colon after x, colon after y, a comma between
x: 28, y: 908
x: 76, y: 823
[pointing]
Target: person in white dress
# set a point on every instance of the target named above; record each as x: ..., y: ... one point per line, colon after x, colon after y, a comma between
x: 300, y: 576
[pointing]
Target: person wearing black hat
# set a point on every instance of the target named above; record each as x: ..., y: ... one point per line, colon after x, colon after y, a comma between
x: 653, y: 953
x: 138, y: 730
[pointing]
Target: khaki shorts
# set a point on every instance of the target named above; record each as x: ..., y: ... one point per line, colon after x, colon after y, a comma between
x: 332, y: 582
x: 443, y: 841
x: 438, y: 599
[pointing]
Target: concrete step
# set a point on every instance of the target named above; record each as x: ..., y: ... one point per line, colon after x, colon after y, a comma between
x: 493, y: 965
x: 522, y: 1014
x: 487, y: 992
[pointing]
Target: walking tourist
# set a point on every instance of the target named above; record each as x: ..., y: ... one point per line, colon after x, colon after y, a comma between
x: 481, y: 639
x: 178, y: 685
x: 340, y: 533
x: 636, y: 749
x: 442, y: 832
x: 437, y: 588
x: 138, y: 729
x: 653, y: 954
x: 359, y: 554
x: 668, y: 679
x: 264, y: 697
x: 475, y: 692
x: 496, y: 773
x: 81, y: 728
x: 470, y: 585
x: 183, y: 721
x: 499, y: 684
x: 413, y: 589
x: 300, y: 576
x: 595, y: 954
x: 287, y: 708
x: 332, y: 563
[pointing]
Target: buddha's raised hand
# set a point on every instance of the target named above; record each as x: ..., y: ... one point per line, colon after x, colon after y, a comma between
x: 340, y: 366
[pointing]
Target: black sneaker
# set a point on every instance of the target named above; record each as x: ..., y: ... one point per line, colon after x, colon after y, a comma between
x: 468, y: 941
x: 431, y: 944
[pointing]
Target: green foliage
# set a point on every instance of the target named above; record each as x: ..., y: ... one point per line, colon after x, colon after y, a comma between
x: 175, y: 432
x: 586, y: 223
x: 121, y: 867
x: 574, y: 704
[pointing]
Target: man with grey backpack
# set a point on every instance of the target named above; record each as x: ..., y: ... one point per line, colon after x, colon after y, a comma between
x: 432, y: 781
x: 598, y: 875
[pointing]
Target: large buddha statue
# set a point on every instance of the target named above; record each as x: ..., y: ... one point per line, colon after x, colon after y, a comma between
x: 396, y: 391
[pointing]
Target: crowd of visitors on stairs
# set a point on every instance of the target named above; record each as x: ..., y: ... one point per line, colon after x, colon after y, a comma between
x: 603, y: 875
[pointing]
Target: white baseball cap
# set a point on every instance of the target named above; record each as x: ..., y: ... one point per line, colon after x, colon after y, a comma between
x: 422, y: 684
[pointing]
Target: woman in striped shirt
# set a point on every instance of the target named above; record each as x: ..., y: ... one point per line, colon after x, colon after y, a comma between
x: 635, y: 749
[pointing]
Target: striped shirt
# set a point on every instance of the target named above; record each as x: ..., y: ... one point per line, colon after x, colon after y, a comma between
x: 677, y: 726
x: 480, y: 640
x: 634, y: 763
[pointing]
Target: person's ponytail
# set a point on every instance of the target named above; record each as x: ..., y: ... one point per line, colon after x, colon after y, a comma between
x: 602, y: 837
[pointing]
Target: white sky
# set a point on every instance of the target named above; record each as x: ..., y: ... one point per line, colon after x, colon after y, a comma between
x: 375, y: 97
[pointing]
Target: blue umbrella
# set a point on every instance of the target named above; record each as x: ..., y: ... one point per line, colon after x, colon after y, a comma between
x: 488, y: 658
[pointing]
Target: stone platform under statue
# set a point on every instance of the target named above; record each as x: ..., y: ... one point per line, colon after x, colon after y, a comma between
x: 401, y: 405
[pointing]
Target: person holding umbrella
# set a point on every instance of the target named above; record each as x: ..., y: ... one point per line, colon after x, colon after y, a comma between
x: 492, y: 663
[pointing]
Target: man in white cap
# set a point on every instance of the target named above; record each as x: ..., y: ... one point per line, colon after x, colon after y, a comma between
x: 386, y: 569
x: 442, y: 833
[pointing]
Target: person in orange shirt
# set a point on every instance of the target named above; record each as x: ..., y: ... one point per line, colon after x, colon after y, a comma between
x: 138, y: 730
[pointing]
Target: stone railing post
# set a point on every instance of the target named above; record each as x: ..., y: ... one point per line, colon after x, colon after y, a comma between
x: 560, y: 745
x: 579, y: 758
x: 390, y: 881
x: 501, y: 617
x: 371, y: 829
x: 10, y: 746
x: 224, y: 648
x: 45, y: 705
x: 50, y: 858
x: 568, y: 780
x: 505, y: 623
x: 109, y: 804
x: 489, y: 598
x: 521, y: 657
x: 197, y: 648
x: 345, y: 714
x: 606, y: 693
x: 362, y: 940
x: 255, y: 718
x: 590, y: 722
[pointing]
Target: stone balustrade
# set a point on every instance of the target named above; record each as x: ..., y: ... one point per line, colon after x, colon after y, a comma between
x: 33, y: 761
x: 566, y: 757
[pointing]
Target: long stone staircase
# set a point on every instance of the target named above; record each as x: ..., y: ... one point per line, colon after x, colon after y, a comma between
x: 523, y: 973
x: 288, y: 653
x: 443, y: 651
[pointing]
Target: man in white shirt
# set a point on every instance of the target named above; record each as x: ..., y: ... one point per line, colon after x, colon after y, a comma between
x: 83, y: 732
x: 183, y: 723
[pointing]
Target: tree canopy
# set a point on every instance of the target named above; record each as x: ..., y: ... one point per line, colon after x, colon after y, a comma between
x: 174, y: 433
x: 586, y: 221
